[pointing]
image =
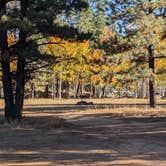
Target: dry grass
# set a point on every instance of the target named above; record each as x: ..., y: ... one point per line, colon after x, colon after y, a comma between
x: 39, y: 102
x: 119, y: 112
x: 95, y: 101
x: 125, y: 112
x: 48, y: 123
x: 48, y: 119
x: 97, y: 137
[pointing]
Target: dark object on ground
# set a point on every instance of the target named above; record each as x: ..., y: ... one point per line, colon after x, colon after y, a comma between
x: 84, y: 103
x: 85, y: 96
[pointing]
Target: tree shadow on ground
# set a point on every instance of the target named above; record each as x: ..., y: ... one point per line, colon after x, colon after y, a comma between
x: 85, y: 139
x: 68, y: 107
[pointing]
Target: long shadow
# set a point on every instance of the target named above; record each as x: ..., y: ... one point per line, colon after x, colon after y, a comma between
x: 89, y: 140
x: 58, y: 108
x: 112, y: 105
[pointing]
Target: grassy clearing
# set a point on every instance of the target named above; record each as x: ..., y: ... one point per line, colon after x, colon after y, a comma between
x: 95, y: 101
x: 40, y: 102
x: 99, y: 137
x: 52, y: 118
x: 120, y: 112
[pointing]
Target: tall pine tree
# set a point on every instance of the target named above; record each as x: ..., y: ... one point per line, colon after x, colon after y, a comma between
x: 31, y: 21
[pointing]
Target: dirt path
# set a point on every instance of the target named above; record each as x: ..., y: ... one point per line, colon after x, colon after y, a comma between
x: 86, y: 139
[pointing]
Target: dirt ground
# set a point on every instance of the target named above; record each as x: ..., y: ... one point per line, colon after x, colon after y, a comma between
x: 108, y: 137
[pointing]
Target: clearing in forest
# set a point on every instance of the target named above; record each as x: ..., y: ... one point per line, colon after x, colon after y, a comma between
x: 113, y: 137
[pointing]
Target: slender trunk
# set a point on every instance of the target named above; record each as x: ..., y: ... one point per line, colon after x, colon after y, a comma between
x: 52, y: 89
x: 57, y: 88
x: 5, y: 64
x: 46, y: 92
x: 95, y: 91
x: 103, y: 92
x: 100, y: 92
x: 140, y: 88
x: 60, y: 88
x: 70, y: 89
x: 53, y: 85
x: 32, y: 91
x: 120, y: 93
x: 77, y: 87
x: 91, y: 90
x: 82, y: 89
x: 162, y: 91
x: 145, y: 89
x: 67, y: 89
x: 152, y: 90
x: 60, y: 82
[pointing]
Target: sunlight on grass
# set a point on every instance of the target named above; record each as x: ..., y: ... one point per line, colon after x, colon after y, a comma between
x: 41, y: 102
x: 122, y: 112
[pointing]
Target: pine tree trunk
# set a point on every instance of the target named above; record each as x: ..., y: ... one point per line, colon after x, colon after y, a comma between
x: 152, y: 90
x: 8, y: 91
x: 5, y: 64
x: 20, y: 74
x: 20, y: 85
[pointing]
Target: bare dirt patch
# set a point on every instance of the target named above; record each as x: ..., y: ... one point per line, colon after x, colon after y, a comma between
x: 116, y: 137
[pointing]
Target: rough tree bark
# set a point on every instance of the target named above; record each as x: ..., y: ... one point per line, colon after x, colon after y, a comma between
x: 152, y: 90
x: 20, y: 74
x: 20, y: 85
x: 5, y: 64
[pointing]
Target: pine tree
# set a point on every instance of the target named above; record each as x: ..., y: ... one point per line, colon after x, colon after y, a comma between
x: 5, y: 62
x: 140, y: 27
x: 32, y: 22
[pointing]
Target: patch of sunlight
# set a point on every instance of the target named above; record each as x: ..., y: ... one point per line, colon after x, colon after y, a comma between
x: 138, y: 162
x: 22, y: 152
x: 94, y: 151
x: 35, y: 163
